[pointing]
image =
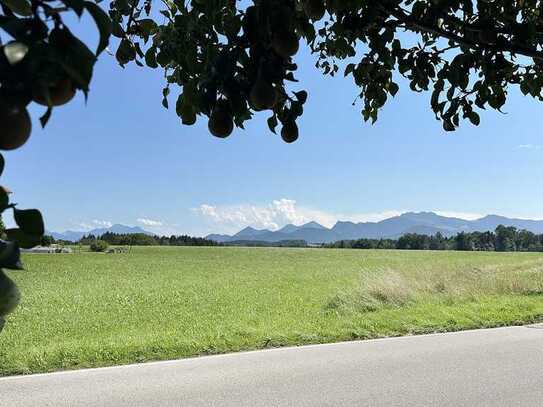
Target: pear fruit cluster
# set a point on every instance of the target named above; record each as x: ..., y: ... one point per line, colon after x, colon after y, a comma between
x: 270, y: 36
x: 274, y: 41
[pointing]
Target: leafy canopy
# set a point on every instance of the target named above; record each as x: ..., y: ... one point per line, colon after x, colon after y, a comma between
x: 467, y: 53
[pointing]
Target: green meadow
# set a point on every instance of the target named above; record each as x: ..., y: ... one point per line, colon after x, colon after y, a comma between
x: 89, y: 309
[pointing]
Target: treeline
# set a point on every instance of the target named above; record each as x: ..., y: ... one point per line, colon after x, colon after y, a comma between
x: 503, y: 239
x: 142, y: 239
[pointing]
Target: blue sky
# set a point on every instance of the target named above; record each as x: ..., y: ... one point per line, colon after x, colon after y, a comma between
x: 123, y: 158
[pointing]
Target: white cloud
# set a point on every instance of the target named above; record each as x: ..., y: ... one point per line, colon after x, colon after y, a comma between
x: 530, y: 147
x: 460, y: 215
x: 370, y: 217
x: 85, y: 226
x: 95, y: 223
x: 149, y: 222
x: 102, y: 223
x: 277, y: 214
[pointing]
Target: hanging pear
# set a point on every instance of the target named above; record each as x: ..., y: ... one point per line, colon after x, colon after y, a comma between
x: 263, y: 95
x: 285, y: 43
x: 60, y: 93
x: 289, y: 132
x: 314, y: 9
x: 220, y: 122
x: 15, y: 127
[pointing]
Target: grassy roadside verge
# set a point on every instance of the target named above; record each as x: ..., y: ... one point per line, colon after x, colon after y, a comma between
x: 86, y: 310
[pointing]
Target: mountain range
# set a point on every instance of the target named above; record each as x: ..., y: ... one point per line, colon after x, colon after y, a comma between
x: 74, y: 236
x: 427, y: 223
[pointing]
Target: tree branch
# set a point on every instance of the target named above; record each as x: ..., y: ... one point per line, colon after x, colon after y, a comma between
x: 417, y: 25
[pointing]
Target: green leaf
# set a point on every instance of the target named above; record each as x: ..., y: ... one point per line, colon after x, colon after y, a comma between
x: 290, y: 77
x: 4, y: 199
x: 21, y: 7
x: 30, y: 221
x: 102, y: 22
x: 272, y: 123
x: 15, y: 52
x: 474, y: 118
x: 296, y: 109
x: 393, y: 88
x: 150, y: 58
x: 2, y: 164
x: 46, y: 116
x: 139, y: 52
x: 10, y: 256
x: 165, y: 93
x: 77, y: 5
x: 117, y: 30
x: 147, y: 25
x: 349, y: 69
x: 25, y: 30
x: 125, y: 53
x: 24, y: 240
x: 448, y: 126
x: 76, y: 58
x: 301, y: 96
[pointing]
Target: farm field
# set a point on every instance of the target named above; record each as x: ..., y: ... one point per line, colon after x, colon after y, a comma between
x: 88, y: 309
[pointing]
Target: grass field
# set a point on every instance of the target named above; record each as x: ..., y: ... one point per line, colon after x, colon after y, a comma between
x: 86, y: 309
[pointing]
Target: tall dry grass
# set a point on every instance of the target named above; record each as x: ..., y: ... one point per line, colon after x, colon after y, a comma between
x: 395, y: 287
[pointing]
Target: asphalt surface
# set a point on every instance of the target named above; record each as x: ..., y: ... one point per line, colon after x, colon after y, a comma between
x: 495, y: 367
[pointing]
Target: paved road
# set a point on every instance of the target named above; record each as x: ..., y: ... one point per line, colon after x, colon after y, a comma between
x: 497, y: 367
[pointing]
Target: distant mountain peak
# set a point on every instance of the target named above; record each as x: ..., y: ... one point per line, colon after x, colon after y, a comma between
x: 288, y: 228
x: 421, y: 215
x: 313, y: 225
x: 248, y: 229
x: 493, y: 216
x: 344, y: 222
x: 249, y: 232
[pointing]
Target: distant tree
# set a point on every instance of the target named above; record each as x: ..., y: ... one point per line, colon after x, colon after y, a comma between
x: 526, y: 241
x: 505, y: 238
x: 99, y: 246
x: 47, y: 240
x: 464, y: 242
x: 87, y: 240
x: 437, y: 242
x: 413, y: 241
x: 483, y: 241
